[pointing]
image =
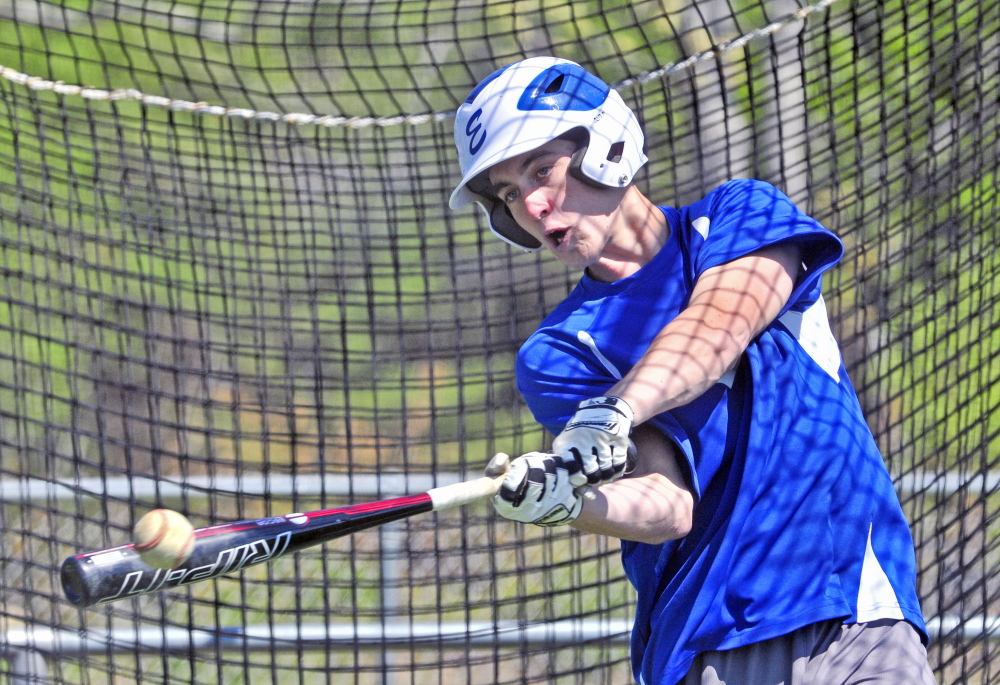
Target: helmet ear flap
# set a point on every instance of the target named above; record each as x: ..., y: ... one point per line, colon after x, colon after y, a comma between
x: 581, y: 137
x: 503, y: 224
x: 575, y: 169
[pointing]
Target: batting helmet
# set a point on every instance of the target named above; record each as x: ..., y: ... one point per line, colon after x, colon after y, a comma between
x: 526, y: 104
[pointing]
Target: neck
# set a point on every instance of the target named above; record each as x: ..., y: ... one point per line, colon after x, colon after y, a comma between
x: 639, y: 232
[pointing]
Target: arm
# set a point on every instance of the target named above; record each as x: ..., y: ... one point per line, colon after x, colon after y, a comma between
x: 652, y: 505
x: 730, y: 304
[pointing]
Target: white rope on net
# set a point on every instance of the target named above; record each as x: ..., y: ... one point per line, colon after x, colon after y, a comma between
x: 726, y: 46
x: 328, y: 120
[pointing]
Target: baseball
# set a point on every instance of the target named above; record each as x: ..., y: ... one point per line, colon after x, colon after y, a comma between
x: 163, y: 538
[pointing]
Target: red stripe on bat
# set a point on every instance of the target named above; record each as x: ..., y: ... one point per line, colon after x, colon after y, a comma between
x: 381, y: 505
x: 364, y: 508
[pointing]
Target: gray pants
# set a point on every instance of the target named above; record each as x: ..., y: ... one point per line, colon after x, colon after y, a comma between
x: 885, y: 652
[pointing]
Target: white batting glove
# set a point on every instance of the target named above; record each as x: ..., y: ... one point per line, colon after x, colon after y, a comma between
x: 538, y: 490
x: 597, y: 437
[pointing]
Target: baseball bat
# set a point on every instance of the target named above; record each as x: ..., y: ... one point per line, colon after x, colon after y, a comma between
x: 119, y: 572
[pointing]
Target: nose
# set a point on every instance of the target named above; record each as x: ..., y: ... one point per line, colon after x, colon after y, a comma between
x: 538, y: 203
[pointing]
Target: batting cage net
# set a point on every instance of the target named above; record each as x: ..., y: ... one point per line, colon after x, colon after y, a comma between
x: 231, y: 286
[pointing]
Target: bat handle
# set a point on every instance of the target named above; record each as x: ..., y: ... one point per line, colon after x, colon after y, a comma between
x: 470, y: 491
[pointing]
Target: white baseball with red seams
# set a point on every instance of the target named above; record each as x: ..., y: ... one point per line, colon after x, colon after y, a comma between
x: 163, y: 538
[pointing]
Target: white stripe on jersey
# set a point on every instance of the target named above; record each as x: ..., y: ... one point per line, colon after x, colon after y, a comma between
x: 811, y: 329
x: 876, y: 598
x: 702, y: 224
x: 588, y: 340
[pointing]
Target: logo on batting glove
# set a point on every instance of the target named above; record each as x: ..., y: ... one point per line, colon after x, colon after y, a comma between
x: 597, y: 437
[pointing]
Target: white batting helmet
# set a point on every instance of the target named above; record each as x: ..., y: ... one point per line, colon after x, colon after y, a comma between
x: 525, y: 105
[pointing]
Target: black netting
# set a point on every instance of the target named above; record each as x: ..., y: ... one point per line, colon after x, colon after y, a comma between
x: 206, y: 307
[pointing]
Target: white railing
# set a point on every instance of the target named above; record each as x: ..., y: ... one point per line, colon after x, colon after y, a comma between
x: 26, y: 649
x: 395, y: 635
x: 131, y: 488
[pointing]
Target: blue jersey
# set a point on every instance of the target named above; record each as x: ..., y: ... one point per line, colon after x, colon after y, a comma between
x: 796, y: 519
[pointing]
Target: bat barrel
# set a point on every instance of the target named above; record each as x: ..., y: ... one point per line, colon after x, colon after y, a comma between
x: 119, y: 572
x: 91, y: 578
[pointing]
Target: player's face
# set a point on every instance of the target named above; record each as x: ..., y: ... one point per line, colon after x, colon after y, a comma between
x: 573, y: 220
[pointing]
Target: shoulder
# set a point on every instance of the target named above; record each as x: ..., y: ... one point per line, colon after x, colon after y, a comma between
x: 746, y: 215
x: 745, y: 195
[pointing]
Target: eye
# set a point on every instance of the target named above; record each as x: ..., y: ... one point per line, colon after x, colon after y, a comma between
x: 543, y: 171
x: 511, y: 195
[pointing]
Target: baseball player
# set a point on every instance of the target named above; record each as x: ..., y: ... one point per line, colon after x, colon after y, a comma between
x: 759, y: 526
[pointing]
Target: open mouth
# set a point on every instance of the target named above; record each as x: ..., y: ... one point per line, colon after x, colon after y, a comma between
x: 557, y: 236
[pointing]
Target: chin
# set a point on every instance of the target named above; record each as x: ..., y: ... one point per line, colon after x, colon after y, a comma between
x: 576, y: 259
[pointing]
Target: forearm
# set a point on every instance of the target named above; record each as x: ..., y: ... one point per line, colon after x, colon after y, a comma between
x: 648, y: 509
x: 653, y: 505
x: 729, y: 306
x: 689, y: 356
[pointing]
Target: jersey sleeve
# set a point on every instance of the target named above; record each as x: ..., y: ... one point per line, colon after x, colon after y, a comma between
x: 743, y: 216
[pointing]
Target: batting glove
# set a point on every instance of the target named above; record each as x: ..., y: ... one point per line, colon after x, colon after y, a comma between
x: 597, y: 438
x: 538, y: 490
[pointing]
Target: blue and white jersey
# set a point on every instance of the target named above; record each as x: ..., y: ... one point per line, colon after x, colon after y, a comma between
x: 796, y: 520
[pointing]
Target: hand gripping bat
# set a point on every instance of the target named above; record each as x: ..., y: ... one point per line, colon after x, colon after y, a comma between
x: 118, y: 572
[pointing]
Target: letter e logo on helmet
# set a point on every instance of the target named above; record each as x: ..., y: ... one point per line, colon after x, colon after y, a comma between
x: 471, y: 131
